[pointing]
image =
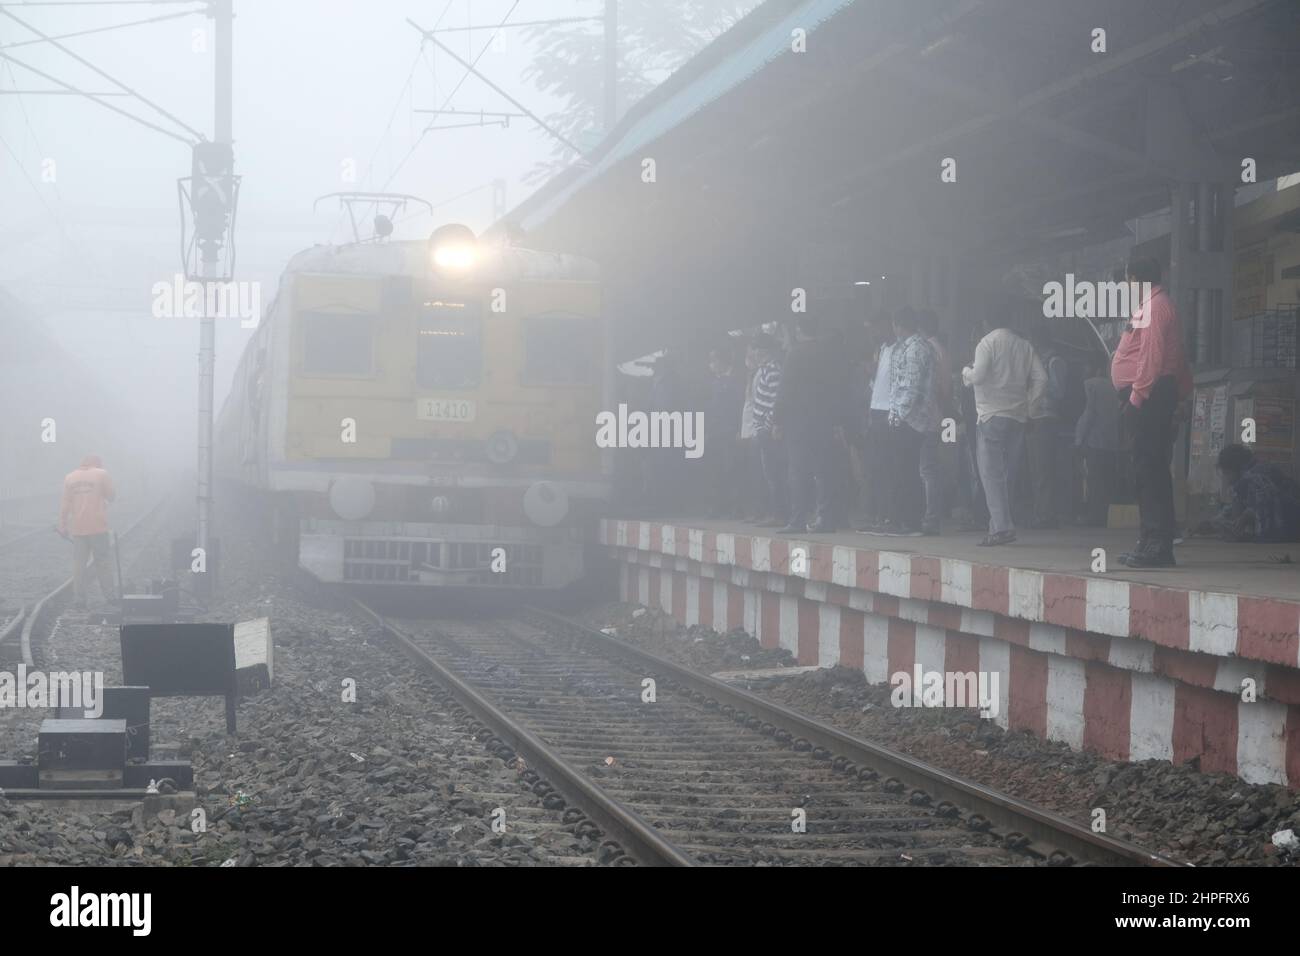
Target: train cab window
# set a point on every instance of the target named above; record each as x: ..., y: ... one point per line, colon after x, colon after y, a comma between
x: 559, y: 349
x: 335, y: 344
x: 449, y: 344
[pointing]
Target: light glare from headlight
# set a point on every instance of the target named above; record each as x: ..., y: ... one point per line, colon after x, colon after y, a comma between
x: 454, y: 256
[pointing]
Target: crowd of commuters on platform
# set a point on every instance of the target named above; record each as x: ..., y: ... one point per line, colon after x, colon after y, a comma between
x: 886, y: 427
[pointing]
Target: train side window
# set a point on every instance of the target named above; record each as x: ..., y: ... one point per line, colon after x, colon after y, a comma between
x: 335, y: 344
x: 449, y: 345
x: 559, y: 349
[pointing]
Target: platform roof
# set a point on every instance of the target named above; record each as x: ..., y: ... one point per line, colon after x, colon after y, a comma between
x: 1056, y: 145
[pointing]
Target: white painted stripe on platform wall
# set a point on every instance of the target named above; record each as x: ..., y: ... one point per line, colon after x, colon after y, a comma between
x: 726, y: 549
x: 954, y: 582
x: 1133, y: 655
x: 1151, y: 718
x: 918, y: 612
x: 1106, y: 611
x: 979, y: 623
x: 1066, y: 680
x: 753, y: 615
x: 695, y: 544
x: 1025, y: 594
x: 930, y: 646
x: 668, y: 539
x: 862, y: 600
x: 692, y: 601
x: 995, y: 657
x: 1047, y: 638
x: 1212, y: 622
x: 720, y: 603
x: 1231, y: 671
x: 828, y: 635
x: 790, y: 623
x: 762, y: 560
x: 1261, y: 742
x: 894, y: 573
x: 666, y: 592
x: 844, y: 566
x: 643, y: 587
x: 875, y: 648
x: 816, y: 590
x: 643, y: 535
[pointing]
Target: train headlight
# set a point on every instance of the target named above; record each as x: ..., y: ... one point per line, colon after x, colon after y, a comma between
x: 545, y: 504
x: 453, y: 248
x: 352, y: 498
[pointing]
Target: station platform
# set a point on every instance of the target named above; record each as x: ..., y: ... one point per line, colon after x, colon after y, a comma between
x: 1199, y: 663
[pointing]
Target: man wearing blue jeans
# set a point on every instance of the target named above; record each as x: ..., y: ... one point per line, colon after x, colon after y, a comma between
x: 1004, y: 374
x: 998, y: 444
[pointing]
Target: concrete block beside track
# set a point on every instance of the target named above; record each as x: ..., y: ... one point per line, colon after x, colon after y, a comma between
x: 254, y: 656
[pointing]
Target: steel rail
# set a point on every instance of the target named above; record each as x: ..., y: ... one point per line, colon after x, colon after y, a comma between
x: 1046, y: 830
x: 33, y: 617
x: 642, y: 841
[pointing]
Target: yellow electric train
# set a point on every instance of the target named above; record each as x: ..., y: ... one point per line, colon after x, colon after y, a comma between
x: 421, y: 413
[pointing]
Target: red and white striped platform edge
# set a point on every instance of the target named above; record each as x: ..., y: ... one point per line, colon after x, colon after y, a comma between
x: 1132, y: 671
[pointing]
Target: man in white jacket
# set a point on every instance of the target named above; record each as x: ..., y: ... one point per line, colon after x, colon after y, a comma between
x: 1004, y: 374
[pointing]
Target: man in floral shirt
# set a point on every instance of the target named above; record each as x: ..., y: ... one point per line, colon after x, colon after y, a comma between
x: 913, y: 413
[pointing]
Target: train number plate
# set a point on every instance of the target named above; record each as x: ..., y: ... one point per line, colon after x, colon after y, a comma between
x: 445, y: 409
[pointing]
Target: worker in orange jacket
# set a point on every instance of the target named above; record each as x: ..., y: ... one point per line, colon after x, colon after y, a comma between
x: 84, y: 518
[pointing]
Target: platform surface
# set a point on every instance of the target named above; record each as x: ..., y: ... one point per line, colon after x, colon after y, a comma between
x: 1203, y: 563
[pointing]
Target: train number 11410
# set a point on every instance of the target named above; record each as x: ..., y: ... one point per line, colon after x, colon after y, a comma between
x: 445, y: 409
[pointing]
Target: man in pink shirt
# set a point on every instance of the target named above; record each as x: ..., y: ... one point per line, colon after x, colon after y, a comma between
x: 1150, y: 372
x: 84, y: 517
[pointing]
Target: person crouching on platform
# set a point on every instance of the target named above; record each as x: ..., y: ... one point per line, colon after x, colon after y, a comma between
x: 1260, y: 501
x: 83, y: 517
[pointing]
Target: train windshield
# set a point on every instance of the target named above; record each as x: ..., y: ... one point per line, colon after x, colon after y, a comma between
x: 449, y: 345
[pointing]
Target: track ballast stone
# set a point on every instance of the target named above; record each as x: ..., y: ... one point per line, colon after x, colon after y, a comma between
x: 394, y: 778
x: 1209, y: 819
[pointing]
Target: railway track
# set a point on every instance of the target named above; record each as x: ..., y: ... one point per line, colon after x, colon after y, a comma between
x: 39, y: 607
x: 706, y: 773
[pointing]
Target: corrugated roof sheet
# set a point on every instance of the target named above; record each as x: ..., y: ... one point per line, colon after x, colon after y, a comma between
x: 728, y: 73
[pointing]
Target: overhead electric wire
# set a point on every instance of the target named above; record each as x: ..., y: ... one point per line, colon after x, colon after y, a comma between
x: 94, y: 3
x: 115, y: 26
x: 95, y: 99
x: 58, y: 221
x: 86, y: 63
x: 410, y: 152
x: 388, y: 127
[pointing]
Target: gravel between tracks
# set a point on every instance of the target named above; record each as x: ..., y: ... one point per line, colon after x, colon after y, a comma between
x: 310, y: 779
x: 1204, y: 818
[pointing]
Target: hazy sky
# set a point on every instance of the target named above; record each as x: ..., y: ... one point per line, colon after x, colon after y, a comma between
x: 316, y: 82
x: 318, y: 85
